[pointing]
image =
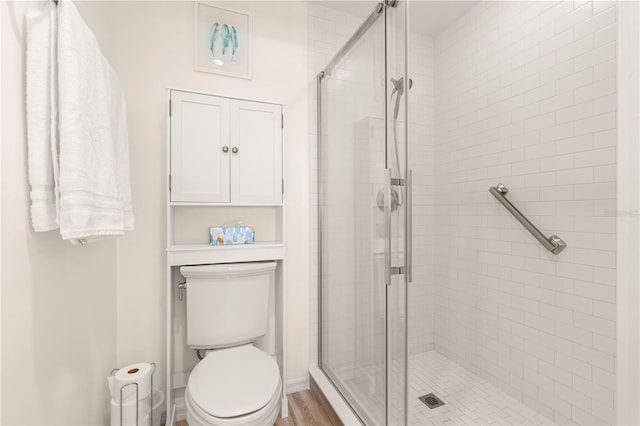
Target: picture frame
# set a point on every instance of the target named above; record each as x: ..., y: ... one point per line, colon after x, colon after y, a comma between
x: 222, y: 40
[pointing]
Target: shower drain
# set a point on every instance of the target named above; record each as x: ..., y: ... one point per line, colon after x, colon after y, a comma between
x: 431, y: 401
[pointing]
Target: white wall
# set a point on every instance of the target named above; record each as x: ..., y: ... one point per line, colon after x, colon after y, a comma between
x: 628, y: 288
x: 71, y: 314
x: 1, y: 118
x: 154, y: 51
x: 526, y: 96
x: 58, y: 301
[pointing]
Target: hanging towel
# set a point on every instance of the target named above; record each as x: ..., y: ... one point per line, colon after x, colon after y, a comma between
x: 42, y: 114
x: 95, y: 191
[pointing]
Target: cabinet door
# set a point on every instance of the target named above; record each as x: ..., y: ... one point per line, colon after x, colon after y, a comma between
x: 256, y: 159
x: 199, y: 139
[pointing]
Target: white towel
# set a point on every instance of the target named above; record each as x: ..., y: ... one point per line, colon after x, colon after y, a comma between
x: 95, y: 192
x: 42, y: 114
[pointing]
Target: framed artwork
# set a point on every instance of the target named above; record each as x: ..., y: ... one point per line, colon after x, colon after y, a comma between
x: 222, y: 41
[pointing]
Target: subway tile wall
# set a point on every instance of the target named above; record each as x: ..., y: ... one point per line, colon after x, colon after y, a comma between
x: 526, y: 96
x: 421, y: 306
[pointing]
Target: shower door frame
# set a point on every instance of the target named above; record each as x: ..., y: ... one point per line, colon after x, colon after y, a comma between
x: 380, y: 11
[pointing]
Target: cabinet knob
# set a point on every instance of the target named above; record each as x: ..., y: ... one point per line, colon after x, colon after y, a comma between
x: 234, y: 150
x: 225, y: 149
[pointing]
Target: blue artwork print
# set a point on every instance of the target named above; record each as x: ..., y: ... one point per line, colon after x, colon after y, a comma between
x: 225, y: 35
x: 234, y: 42
x: 213, y: 35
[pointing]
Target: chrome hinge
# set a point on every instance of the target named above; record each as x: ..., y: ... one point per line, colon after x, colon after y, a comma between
x: 283, y: 186
x: 397, y: 182
x: 282, y: 121
x: 169, y: 183
x: 169, y: 107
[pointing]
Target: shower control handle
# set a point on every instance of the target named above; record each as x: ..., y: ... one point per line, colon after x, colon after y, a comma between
x: 234, y: 149
x: 225, y: 149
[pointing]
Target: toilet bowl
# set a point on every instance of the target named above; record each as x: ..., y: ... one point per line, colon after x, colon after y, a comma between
x: 234, y: 386
x: 236, y: 383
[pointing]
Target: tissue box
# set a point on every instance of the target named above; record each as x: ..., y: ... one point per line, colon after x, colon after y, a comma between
x: 232, y: 235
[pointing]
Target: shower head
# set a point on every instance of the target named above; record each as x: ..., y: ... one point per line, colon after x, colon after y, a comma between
x: 398, y: 87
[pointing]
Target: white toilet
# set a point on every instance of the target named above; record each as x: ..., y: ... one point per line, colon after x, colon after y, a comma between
x: 227, y: 309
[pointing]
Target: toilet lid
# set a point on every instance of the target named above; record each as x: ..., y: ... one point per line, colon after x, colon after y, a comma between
x: 234, y: 382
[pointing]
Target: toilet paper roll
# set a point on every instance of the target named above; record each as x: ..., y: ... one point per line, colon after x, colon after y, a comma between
x: 125, y: 378
x: 129, y: 412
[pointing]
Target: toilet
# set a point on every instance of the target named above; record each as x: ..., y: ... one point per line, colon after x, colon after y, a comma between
x: 227, y: 309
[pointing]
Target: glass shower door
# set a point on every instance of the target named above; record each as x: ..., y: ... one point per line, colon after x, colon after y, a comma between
x: 362, y: 209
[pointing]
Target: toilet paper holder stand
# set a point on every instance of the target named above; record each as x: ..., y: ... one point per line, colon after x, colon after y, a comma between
x: 153, y: 366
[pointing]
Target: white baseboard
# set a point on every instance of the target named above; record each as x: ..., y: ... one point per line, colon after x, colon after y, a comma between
x: 179, y: 405
x: 297, y: 385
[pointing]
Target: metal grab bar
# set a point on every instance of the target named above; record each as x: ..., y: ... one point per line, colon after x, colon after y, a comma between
x: 554, y: 243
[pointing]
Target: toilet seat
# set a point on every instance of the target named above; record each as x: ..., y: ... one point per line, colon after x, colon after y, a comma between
x: 239, y: 385
x: 267, y: 415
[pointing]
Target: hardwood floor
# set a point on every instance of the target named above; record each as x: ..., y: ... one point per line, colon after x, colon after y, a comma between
x: 305, y: 409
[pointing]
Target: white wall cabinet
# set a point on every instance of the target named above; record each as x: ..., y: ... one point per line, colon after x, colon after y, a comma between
x: 256, y: 152
x: 225, y: 150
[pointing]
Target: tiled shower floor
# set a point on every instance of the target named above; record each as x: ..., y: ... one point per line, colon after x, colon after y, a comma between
x: 469, y: 400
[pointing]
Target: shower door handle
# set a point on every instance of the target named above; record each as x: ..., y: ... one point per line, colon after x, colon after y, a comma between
x: 409, y: 237
x: 387, y: 226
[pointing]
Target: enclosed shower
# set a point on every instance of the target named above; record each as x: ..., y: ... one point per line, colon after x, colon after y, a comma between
x: 466, y: 211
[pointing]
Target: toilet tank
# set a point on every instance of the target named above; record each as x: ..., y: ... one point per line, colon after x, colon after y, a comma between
x: 227, y: 304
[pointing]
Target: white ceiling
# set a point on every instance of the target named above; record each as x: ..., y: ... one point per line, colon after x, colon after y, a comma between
x: 426, y: 17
